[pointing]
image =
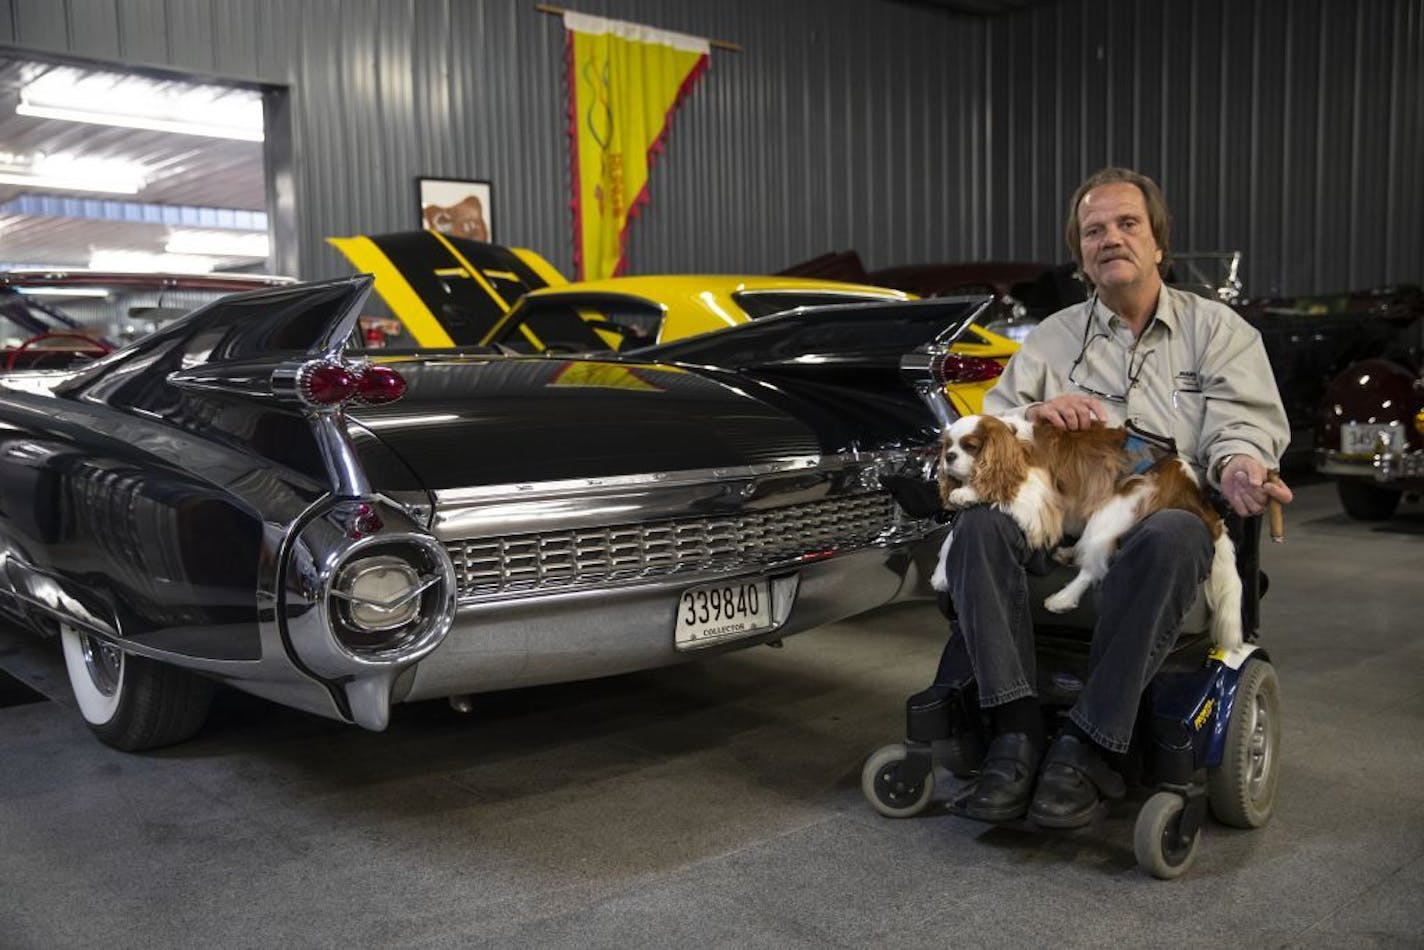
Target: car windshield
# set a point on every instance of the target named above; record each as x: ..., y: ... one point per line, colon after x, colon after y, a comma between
x: 581, y: 323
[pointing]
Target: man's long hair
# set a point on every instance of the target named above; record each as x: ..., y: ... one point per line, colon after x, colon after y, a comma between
x: 1157, y: 214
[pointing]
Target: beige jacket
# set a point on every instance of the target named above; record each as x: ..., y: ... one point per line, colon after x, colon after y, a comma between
x: 1201, y: 376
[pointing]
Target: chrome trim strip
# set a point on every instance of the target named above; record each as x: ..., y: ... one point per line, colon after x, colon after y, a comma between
x: 88, y: 625
x: 452, y: 497
x: 495, y: 510
x: 847, y: 296
x: 55, y: 596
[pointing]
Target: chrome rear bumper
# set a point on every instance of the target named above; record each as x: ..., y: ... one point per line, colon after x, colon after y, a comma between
x: 1382, y: 466
x: 581, y: 635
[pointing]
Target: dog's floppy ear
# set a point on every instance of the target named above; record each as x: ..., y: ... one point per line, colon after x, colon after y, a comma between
x: 947, y: 482
x: 1002, y: 463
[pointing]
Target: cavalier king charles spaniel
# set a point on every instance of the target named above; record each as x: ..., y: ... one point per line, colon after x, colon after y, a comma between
x: 1094, y: 484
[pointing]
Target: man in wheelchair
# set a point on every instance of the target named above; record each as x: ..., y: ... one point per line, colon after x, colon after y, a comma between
x: 1171, y: 363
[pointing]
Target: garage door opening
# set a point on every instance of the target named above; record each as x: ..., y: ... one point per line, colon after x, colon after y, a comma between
x: 116, y: 170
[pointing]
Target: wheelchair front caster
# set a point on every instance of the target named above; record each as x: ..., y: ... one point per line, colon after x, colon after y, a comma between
x: 897, y: 782
x: 1162, y: 844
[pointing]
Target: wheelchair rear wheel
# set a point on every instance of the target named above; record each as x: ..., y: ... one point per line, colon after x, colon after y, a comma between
x: 1242, y: 790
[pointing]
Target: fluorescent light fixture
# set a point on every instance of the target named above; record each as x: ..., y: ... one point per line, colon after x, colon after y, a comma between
x: 137, y: 102
x: 63, y: 291
x: 219, y: 243
x: 44, y: 182
x: 114, y: 176
x: 142, y: 262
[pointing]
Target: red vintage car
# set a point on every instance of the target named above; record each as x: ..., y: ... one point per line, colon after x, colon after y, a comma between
x: 1369, y: 434
x: 54, y: 319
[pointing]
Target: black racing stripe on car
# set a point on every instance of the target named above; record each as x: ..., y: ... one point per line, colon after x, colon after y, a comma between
x: 461, y: 305
x: 497, y: 257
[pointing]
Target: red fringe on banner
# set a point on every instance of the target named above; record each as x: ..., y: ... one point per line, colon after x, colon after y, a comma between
x: 576, y: 205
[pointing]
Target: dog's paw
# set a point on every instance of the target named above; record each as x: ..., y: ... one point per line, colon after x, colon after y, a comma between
x: 963, y: 497
x: 1066, y: 555
x: 1227, y: 637
x: 939, y: 580
x: 1061, y: 602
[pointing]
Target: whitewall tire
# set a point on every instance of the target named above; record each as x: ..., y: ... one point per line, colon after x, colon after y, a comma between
x: 129, y: 702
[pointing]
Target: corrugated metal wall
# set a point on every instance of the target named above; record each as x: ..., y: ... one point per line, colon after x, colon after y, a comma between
x: 1287, y: 128
x: 843, y: 124
x: 1290, y: 129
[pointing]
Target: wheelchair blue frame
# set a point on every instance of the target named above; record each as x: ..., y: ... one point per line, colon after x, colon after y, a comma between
x: 1201, y: 702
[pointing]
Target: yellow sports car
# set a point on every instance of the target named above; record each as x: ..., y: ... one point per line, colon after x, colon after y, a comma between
x: 628, y: 312
x: 448, y: 292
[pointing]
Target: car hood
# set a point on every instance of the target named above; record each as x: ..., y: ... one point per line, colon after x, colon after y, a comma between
x: 468, y: 422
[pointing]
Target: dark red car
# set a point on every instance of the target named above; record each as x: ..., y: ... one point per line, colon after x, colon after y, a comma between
x: 55, y: 319
x: 1369, y: 435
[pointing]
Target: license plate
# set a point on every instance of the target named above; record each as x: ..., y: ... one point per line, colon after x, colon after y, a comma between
x: 1363, y: 439
x: 713, y: 613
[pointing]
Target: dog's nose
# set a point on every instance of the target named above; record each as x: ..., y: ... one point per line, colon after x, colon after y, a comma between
x: 949, y: 457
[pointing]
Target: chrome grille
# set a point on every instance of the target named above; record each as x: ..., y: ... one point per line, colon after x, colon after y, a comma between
x: 588, y: 557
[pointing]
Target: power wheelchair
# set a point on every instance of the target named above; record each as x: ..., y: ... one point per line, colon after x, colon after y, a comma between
x: 1208, y: 729
x: 1207, y: 736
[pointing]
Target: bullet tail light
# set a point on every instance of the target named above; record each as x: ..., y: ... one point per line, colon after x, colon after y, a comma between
x: 330, y: 384
x: 953, y: 368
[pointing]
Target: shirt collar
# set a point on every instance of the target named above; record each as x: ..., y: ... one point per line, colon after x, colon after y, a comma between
x: 1107, y: 321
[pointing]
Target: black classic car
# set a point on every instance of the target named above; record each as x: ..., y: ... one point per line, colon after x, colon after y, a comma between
x: 235, y: 499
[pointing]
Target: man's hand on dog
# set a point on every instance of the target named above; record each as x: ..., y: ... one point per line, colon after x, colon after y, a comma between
x: 1248, y: 486
x: 1069, y: 411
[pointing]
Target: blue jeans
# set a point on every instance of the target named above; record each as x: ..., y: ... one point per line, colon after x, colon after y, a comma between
x: 1150, y: 585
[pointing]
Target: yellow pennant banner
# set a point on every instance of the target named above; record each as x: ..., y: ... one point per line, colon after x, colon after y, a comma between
x: 625, y: 81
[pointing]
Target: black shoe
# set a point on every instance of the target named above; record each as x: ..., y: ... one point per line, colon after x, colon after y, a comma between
x: 1074, y: 780
x: 1005, y: 782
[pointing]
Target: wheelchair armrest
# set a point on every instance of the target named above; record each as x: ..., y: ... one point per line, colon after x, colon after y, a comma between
x: 1245, y: 534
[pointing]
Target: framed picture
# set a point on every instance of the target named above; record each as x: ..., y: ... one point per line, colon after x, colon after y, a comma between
x: 456, y: 206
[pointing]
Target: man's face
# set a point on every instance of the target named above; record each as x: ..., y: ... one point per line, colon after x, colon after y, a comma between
x: 1115, y: 238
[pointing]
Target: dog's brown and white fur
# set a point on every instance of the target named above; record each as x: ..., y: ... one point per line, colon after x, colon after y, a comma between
x: 1056, y: 482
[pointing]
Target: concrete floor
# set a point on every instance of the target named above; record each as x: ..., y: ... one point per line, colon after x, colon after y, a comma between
x: 719, y: 805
